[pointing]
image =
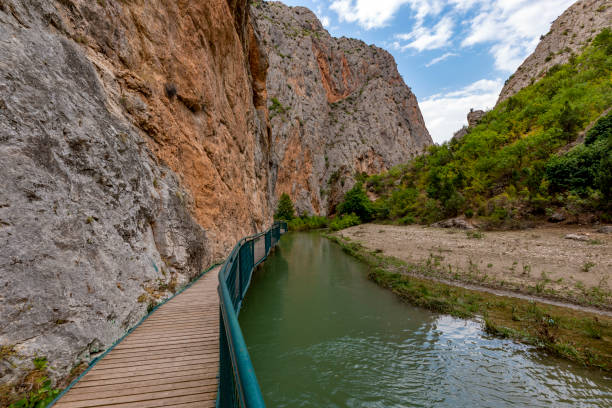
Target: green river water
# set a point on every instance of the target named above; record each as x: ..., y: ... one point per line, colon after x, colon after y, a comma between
x: 321, y: 335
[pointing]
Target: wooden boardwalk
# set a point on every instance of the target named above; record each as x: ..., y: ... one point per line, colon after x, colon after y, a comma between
x: 170, y: 360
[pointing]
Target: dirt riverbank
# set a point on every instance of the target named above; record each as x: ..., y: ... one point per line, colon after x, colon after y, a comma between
x: 538, y: 262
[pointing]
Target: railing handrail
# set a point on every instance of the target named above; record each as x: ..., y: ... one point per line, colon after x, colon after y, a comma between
x: 245, y: 388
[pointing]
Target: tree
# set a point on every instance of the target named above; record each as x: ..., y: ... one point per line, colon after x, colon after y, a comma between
x: 285, y: 210
x: 356, y: 202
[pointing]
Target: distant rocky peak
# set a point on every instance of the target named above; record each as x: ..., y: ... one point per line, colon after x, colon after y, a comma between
x: 337, y: 107
x: 568, y: 35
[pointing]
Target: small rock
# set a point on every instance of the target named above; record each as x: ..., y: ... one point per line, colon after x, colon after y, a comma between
x: 577, y: 237
x: 556, y: 217
x: 454, y: 223
x: 606, y: 229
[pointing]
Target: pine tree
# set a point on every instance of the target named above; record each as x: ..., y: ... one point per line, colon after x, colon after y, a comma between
x: 285, y: 209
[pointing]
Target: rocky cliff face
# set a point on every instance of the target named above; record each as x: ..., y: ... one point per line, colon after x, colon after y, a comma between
x: 140, y: 139
x: 133, y: 153
x: 337, y: 107
x: 569, y: 33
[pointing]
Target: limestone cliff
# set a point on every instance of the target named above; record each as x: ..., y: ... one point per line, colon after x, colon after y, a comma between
x: 132, y: 154
x: 337, y: 107
x: 569, y: 33
x: 140, y: 139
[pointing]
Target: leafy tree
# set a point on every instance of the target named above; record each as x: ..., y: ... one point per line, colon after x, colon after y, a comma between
x: 601, y: 130
x: 603, y: 179
x: 356, y: 202
x: 285, y: 210
x: 587, y: 165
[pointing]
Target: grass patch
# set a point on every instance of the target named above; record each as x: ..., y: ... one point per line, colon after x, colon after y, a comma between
x: 571, y: 334
x: 34, y: 391
x: 474, y: 234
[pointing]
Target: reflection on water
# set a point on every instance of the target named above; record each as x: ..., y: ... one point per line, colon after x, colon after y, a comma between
x: 321, y: 335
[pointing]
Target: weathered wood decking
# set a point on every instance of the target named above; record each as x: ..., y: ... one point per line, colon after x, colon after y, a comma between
x: 170, y: 360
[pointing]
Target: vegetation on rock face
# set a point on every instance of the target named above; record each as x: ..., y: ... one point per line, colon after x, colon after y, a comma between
x: 586, y: 167
x: 36, y: 389
x: 285, y: 210
x: 508, y: 167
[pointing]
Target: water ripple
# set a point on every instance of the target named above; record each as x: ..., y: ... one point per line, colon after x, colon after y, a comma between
x: 321, y: 335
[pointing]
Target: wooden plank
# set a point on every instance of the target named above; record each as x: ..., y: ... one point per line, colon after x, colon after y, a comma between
x: 156, y: 360
x: 186, y: 332
x: 164, y: 347
x: 139, y: 389
x: 181, y: 376
x: 203, y: 404
x: 100, y: 375
x: 203, y: 399
x: 170, y: 360
x: 180, y: 327
x: 141, y: 398
x: 162, y: 351
x: 208, y: 372
x: 169, y: 342
x: 203, y: 378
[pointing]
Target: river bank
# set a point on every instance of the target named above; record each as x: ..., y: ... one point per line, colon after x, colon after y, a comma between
x: 572, y: 334
x: 538, y: 262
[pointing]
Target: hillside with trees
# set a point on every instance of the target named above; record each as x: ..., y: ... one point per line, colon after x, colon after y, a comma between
x: 529, y: 158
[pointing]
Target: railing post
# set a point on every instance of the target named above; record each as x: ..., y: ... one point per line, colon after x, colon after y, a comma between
x: 225, y: 393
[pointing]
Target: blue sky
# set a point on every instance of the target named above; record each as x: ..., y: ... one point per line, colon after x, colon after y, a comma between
x: 454, y: 54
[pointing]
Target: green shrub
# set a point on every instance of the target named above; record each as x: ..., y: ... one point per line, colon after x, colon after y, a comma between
x: 285, y: 210
x: 356, y: 202
x: 344, y: 221
x: 306, y: 223
x: 587, y: 166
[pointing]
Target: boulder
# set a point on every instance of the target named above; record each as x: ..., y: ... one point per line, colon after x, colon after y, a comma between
x: 578, y: 237
x: 556, y: 217
x: 459, y: 223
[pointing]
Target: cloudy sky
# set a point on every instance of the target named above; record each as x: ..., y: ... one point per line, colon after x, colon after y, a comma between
x: 454, y: 54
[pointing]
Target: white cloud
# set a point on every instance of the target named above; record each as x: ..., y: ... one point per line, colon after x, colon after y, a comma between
x: 512, y: 27
x: 440, y: 58
x: 377, y: 13
x: 509, y: 28
x: 367, y: 13
x: 325, y: 21
x: 423, y: 38
x: 446, y: 113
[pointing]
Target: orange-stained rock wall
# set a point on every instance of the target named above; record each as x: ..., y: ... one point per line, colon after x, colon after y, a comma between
x: 181, y: 71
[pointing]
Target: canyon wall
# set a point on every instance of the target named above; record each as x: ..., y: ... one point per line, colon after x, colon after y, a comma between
x: 568, y: 35
x: 132, y: 155
x: 139, y: 140
x: 337, y: 107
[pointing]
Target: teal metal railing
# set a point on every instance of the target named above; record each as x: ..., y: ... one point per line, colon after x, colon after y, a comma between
x: 238, y: 386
